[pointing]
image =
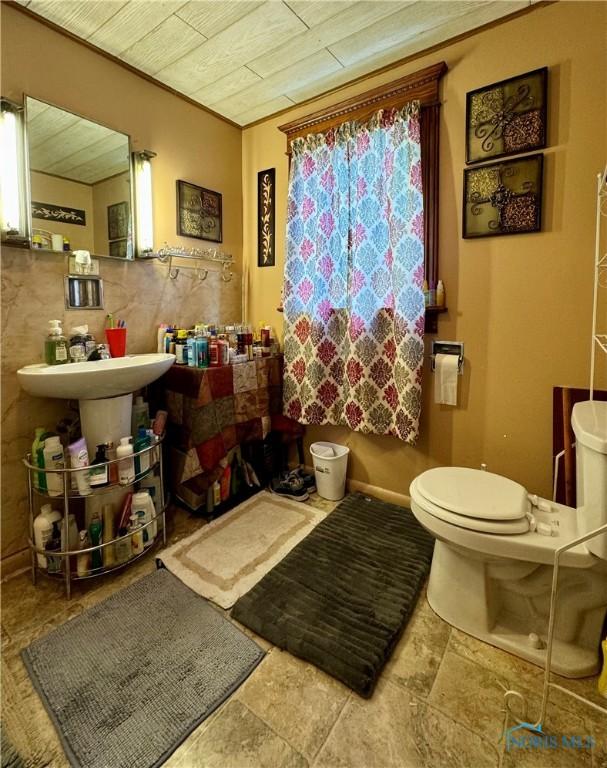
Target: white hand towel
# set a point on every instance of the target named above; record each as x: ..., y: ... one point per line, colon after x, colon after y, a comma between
x: 445, y: 379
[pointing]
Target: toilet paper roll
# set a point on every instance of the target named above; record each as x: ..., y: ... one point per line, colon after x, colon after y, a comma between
x: 445, y: 379
x: 57, y: 241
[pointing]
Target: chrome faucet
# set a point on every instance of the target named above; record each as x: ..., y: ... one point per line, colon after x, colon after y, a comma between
x: 100, y: 352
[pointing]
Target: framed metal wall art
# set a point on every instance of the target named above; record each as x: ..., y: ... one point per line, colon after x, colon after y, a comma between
x: 266, y: 193
x: 503, y: 198
x: 507, y: 118
x: 118, y: 221
x: 198, y: 212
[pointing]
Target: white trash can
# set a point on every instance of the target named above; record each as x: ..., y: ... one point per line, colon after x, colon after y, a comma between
x: 330, y: 465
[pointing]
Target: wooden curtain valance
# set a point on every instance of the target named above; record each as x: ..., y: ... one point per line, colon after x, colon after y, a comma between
x: 422, y: 86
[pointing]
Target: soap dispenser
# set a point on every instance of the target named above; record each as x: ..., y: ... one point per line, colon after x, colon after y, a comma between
x: 55, y: 346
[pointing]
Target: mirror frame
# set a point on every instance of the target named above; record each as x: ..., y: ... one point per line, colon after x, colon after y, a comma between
x: 28, y: 191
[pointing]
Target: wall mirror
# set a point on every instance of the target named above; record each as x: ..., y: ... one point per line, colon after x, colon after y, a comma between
x: 80, y: 183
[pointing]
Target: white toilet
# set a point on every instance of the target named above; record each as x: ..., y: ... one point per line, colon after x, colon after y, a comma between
x: 491, y: 572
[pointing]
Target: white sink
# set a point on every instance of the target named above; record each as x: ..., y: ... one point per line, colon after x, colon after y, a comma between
x: 94, y: 380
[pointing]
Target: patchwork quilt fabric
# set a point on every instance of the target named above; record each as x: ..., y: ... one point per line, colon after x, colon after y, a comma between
x: 211, y: 410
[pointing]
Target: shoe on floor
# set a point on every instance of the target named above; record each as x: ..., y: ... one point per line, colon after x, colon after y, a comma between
x: 290, y: 487
x: 309, y: 481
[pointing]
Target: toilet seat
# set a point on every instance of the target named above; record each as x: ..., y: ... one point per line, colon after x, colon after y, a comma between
x: 473, y: 499
x: 481, y: 525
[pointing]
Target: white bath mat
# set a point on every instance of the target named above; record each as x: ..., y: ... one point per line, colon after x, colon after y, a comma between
x: 225, y: 559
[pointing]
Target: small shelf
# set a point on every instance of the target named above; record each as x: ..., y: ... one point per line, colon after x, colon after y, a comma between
x: 93, y: 572
x: 431, y: 321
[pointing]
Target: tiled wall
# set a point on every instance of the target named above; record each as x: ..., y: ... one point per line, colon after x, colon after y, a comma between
x: 32, y: 293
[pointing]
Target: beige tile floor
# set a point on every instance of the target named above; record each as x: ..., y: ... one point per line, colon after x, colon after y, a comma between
x: 439, y: 701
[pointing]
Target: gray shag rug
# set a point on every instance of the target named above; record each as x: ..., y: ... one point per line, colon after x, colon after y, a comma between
x: 343, y: 596
x: 128, y: 680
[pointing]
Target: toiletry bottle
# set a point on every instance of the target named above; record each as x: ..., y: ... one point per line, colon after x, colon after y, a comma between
x: 142, y: 441
x: 126, y: 467
x: 440, y: 294
x: 144, y: 507
x: 79, y: 457
x: 160, y: 338
x: 181, y: 348
x: 426, y: 291
x: 43, y: 530
x: 83, y: 562
x: 432, y: 295
x: 108, y: 535
x: 224, y: 483
x: 136, y: 535
x: 140, y: 415
x: 55, y: 346
x: 110, y: 452
x: 77, y: 348
x: 216, y: 493
x: 53, y: 547
x: 122, y: 547
x: 99, y: 469
x: 191, y: 344
x: 159, y: 422
x: 72, y: 537
x: 95, y: 532
x: 54, y: 459
x: 37, y: 447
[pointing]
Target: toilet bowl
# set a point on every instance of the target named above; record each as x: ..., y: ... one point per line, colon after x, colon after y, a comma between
x: 491, y: 572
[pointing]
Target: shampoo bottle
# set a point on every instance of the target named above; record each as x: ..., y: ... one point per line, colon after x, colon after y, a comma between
x: 55, y: 346
x: 54, y: 459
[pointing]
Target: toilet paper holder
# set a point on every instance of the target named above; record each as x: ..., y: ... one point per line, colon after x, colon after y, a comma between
x: 448, y: 348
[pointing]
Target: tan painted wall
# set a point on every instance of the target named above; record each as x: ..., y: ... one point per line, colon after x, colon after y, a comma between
x: 190, y: 144
x: 105, y: 193
x: 73, y: 194
x: 521, y: 304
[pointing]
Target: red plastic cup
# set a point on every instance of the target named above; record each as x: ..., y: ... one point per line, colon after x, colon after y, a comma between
x: 116, y: 339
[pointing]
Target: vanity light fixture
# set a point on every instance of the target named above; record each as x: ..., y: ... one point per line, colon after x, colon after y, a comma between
x: 144, y: 217
x: 13, y: 195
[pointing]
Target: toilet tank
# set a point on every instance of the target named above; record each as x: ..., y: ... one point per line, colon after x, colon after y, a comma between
x: 589, y: 423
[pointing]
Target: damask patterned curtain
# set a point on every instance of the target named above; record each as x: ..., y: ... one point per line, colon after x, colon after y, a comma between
x: 353, y: 299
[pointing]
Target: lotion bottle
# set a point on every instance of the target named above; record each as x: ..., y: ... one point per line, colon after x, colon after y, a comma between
x: 126, y: 467
x: 43, y: 530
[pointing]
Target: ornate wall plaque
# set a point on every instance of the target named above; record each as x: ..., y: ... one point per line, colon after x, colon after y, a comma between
x: 506, y: 118
x: 266, y: 256
x: 503, y: 198
x: 198, y: 212
x: 61, y: 213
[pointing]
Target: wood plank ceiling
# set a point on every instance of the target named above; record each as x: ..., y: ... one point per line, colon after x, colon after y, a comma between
x: 247, y: 59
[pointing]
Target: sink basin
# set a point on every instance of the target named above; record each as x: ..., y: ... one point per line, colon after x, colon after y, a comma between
x: 94, y: 380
